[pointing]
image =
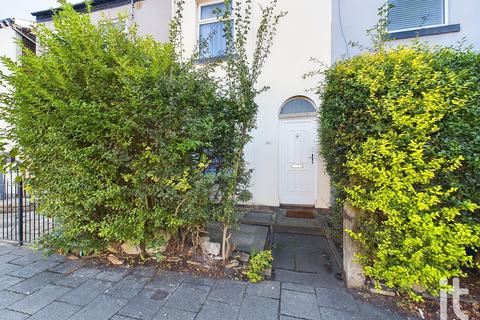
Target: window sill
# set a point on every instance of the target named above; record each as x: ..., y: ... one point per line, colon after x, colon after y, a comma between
x: 211, y: 60
x: 427, y: 31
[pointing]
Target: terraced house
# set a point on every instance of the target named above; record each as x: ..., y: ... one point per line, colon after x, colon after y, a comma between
x: 283, y: 154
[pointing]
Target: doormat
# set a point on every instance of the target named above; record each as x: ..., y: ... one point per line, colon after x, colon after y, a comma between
x: 301, y: 213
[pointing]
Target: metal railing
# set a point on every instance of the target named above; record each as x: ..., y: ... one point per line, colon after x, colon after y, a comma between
x: 20, y: 220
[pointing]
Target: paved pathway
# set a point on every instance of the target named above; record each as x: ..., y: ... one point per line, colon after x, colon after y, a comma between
x: 55, y: 288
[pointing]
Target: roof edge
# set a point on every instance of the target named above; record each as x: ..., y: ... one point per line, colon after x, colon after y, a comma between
x: 96, y: 5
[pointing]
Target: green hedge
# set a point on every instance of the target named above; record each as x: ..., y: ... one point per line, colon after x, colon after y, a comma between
x: 400, y: 132
x: 116, y: 134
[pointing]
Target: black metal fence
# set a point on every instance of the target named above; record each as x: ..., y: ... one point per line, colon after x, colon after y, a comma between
x: 20, y: 220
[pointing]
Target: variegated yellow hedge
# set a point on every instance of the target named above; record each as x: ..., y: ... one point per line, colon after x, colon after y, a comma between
x: 400, y: 132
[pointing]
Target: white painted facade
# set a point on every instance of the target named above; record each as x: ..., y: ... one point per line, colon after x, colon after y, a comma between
x: 319, y: 29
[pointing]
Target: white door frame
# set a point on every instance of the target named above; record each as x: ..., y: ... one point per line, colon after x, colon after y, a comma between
x: 281, y: 146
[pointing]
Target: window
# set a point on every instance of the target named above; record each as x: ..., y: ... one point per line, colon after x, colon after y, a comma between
x: 211, y: 28
x: 298, y: 106
x: 412, y: 14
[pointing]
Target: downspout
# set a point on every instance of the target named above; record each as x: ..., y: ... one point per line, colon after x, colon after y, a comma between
x: 132, y: 12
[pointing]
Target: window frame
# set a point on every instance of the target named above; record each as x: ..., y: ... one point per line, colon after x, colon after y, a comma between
x: 445, y: 20
x: 301, y: 114
x: 201, y: 22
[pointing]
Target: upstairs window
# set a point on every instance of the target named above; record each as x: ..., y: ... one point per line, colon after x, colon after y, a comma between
x: 414, y: 14
x: 213, y: 43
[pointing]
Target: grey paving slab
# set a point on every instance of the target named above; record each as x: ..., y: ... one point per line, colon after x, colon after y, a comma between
x: 142, y: 271
x: 216, y: 310
x: 112, y: 274
x: 21, y: 251
x: 311, y: 279
x: 228, y: 291
x: 4, y: 249
x: 254, y: 307
x: 167, y: 280
x: 67, y: 267
x: 128, y: 287
x: 167, y: 313
x: 56, y: 311
x: 12, y: 315
x: 120, y: 317
x: 298, y: 287
x: 27, y: 259
x: 332, y: 314
x: 336, y: 299
x: 7, y: 268
x: 7, y: 298
x: 299, y: 304
x: 145, y: 304
x: 7, y: 281
x: 267, y: 289
x: 33, y: 268
x: 86, y: 292
x: 201, y: 281
x: 39, y: 299
x: 35, y: 283
x: 102, y: 308
x: 78, y: 277
x: 7, y: 258
x: 188, y: 297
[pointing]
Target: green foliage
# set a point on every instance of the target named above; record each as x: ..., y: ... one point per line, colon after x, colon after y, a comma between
x: 259, y: 263
x: 399, y: 130
x: 117, y: 134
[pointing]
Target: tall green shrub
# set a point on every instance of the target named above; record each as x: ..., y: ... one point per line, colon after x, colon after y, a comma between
x: 117, y: 134
x: 399, y: 130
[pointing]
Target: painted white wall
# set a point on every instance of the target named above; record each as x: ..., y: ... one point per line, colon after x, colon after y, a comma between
x: 151, y: 16
x: 303, y: 34
x: 354, y: 17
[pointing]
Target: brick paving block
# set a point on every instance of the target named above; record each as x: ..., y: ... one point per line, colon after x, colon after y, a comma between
x: 7, y: 281
x: 78, y: 277
x: 336, y: 299
x: 67, y: 267
x: 299, y: 304
x: 112, y: 274
x: 35, y: 283
x: 144, y: 305
x: 56, y: 311
x: 228, y: 291
x: 267, y: 289
x: 7, y: 268
x: 255, y: 307
x: 298, y: 287
x: 188, y: 297
x: 167, y: 281
x: 39, y: 299
x: 332, y: 314
x: 86, y: 292
x: 7, y: 298
x: 167, y: 313
x: 128, y: 287
x: 102, y: 308
x: 33, y: 268
x: 12, y: 315
x: 217, y: 310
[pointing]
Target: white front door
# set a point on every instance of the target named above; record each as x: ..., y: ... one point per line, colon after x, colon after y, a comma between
x: 297, y: 161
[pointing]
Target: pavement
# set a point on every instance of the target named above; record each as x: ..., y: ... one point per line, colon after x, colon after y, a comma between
x: 56, y: 288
